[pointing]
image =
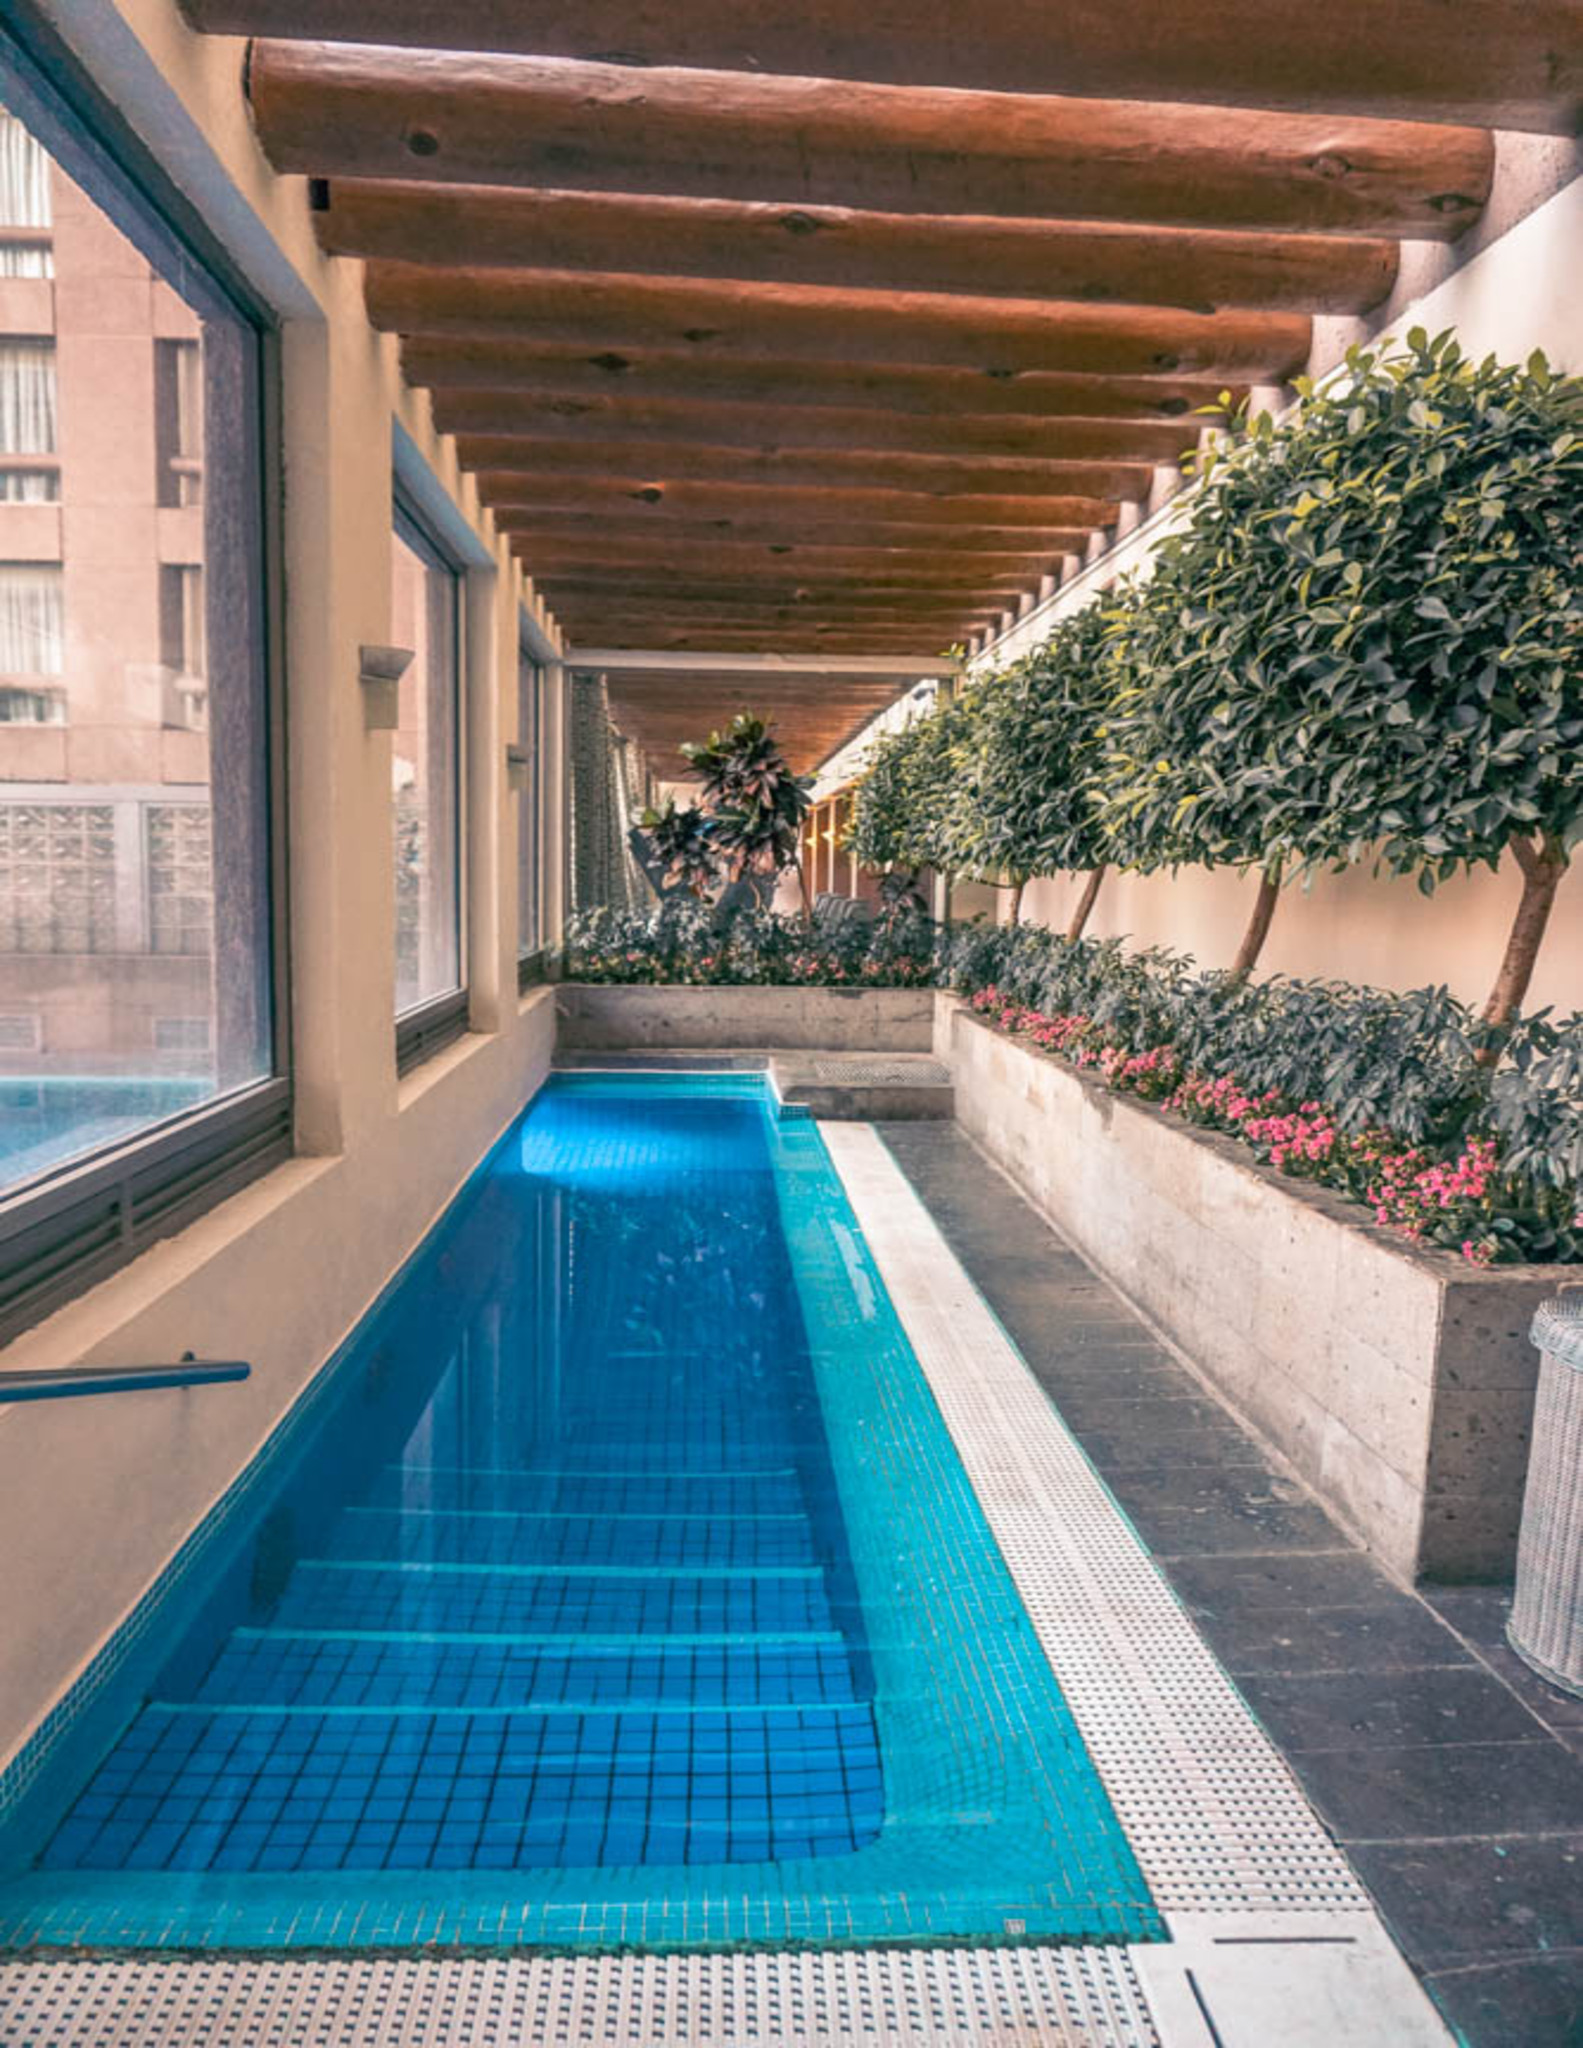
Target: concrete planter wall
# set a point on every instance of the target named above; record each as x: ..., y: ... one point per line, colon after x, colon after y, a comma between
x: 1400, y: 1383
x: 597, y: 1018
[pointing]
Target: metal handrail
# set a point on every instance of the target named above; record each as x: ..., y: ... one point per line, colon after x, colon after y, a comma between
x: 75, y: 1380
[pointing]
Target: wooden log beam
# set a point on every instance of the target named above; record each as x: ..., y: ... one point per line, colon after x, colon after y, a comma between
x: 661, y: 425
x: 716, y: 322
x: 903, y: 648
x: 353, y: 111
x: 634, y: 621
x: 504, y: 464
x: 796, y: 510
x: 594, y: 546
x: 558, y: 371
x: 1500, y: 64
x: 821, y: 598
x: 1198, y: 270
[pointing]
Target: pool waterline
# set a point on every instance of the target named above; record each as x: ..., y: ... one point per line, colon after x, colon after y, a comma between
x: 992, y: 1823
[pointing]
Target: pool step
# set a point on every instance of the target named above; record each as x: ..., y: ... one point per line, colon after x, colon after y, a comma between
x: 503, y: 1536
x: 261, y: 1668
x: 269, y: 1791
x: 590, y: 1493
x: 342, y: 1594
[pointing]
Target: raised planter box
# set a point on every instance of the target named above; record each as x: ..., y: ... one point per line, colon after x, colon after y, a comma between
x: 595, y: 1017
x: 1399, y: 1382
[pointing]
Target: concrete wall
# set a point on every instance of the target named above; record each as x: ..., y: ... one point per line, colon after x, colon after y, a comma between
x: 1399, y: 1383
x: 1519, y: 287
x: 95, y: 1496
x: 828, y: 1019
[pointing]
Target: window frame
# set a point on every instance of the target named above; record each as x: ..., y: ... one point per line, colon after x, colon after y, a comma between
x: 532, y: 960
x: 426, y: 1027
x: 73, y: 1225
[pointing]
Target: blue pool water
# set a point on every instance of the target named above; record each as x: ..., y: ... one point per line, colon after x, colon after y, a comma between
x: 46, y: 1119
x: 627, y: 1588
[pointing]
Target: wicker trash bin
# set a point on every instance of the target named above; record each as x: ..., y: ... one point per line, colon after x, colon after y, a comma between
x: 1546, y: 1626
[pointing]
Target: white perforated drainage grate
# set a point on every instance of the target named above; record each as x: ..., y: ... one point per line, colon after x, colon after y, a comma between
x: 1214, y: 1816
x: 939, y: 1998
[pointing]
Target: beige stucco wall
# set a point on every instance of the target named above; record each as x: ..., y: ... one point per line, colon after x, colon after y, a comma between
x: 95, y: 1496
x: 1356, y: 926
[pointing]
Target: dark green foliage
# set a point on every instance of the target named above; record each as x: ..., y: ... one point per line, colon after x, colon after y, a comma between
x: 1024, y: 806
x: 683, y: 844
x: 755, y: 803
x: 907, y: 809
x: 1367, y: 641
x: 684, y: 942
x: 1416, y: 1065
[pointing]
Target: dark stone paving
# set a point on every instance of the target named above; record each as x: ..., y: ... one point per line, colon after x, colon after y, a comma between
x: 1451, y: 1774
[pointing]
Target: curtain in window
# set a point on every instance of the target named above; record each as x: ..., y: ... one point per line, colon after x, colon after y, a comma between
x: 27, y: 398
x: 32, y: 620
x: 24, y: 200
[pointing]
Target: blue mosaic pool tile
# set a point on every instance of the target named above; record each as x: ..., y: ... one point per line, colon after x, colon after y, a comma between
x: 644, y: 1602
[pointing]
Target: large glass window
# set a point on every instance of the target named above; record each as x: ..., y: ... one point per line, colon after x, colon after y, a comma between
x: 135, y: 930
x: 425, y: 773
x: 530, y: 867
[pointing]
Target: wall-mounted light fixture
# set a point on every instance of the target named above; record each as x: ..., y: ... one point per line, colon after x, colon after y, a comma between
x: 519, y: 767
x: 380, y: 670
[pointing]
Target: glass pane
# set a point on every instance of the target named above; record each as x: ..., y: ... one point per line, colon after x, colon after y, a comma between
x: 134, y: 926
x: 423, y: 770
x: 528, y: 872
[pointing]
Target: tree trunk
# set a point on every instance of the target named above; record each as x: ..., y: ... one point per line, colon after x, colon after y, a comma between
x: 1085, y: 904
x: 802, y: 884
x: 1259, y: 924
x: 1016, y: 901
x: 1542, y: 866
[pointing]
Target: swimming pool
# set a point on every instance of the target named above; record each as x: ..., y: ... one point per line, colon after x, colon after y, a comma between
x: 47, y: 1119
x: 620, y: 1584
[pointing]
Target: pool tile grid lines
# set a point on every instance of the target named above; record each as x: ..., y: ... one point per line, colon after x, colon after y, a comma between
x: 304, y: 1788
x: 1273, y: 1939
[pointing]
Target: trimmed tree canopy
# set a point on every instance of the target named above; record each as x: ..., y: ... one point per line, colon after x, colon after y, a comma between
x: 904, y: 812
x: 1026, y: 807
x: 1367, y: 640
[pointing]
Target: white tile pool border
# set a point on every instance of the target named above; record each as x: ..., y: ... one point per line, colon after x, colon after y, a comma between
x: 1274, y: 1944
x: 1274, y: 1941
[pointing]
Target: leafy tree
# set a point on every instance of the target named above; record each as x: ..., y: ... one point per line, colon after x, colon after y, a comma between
x: 906, y: 811
x: 1025, y: 807
x: 683, y: 845
x: 755, y: 804
x: 1368, y: 641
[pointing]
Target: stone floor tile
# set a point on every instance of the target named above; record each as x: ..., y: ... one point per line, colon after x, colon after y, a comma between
x: 1373, y: 1709
x: 1453, y: 1901
x: 1457, y: 1789
x: 1536, y: 2003
x: 1388, y: 1638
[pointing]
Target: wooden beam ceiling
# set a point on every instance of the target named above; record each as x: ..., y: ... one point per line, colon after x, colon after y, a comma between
x: 801, y: 142
x: 555, y: 369
x: 1196, y: 270
x: 928, y: 562
x: 505, y: 461
x: 813, y: 715
x: 666, y: 425
x: 616, y: 521
x: 1497, y: 63
x: 728, y: 321
x: 836, y: 328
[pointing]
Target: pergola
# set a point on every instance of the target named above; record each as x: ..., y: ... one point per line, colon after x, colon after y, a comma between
x: 831, y: 331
